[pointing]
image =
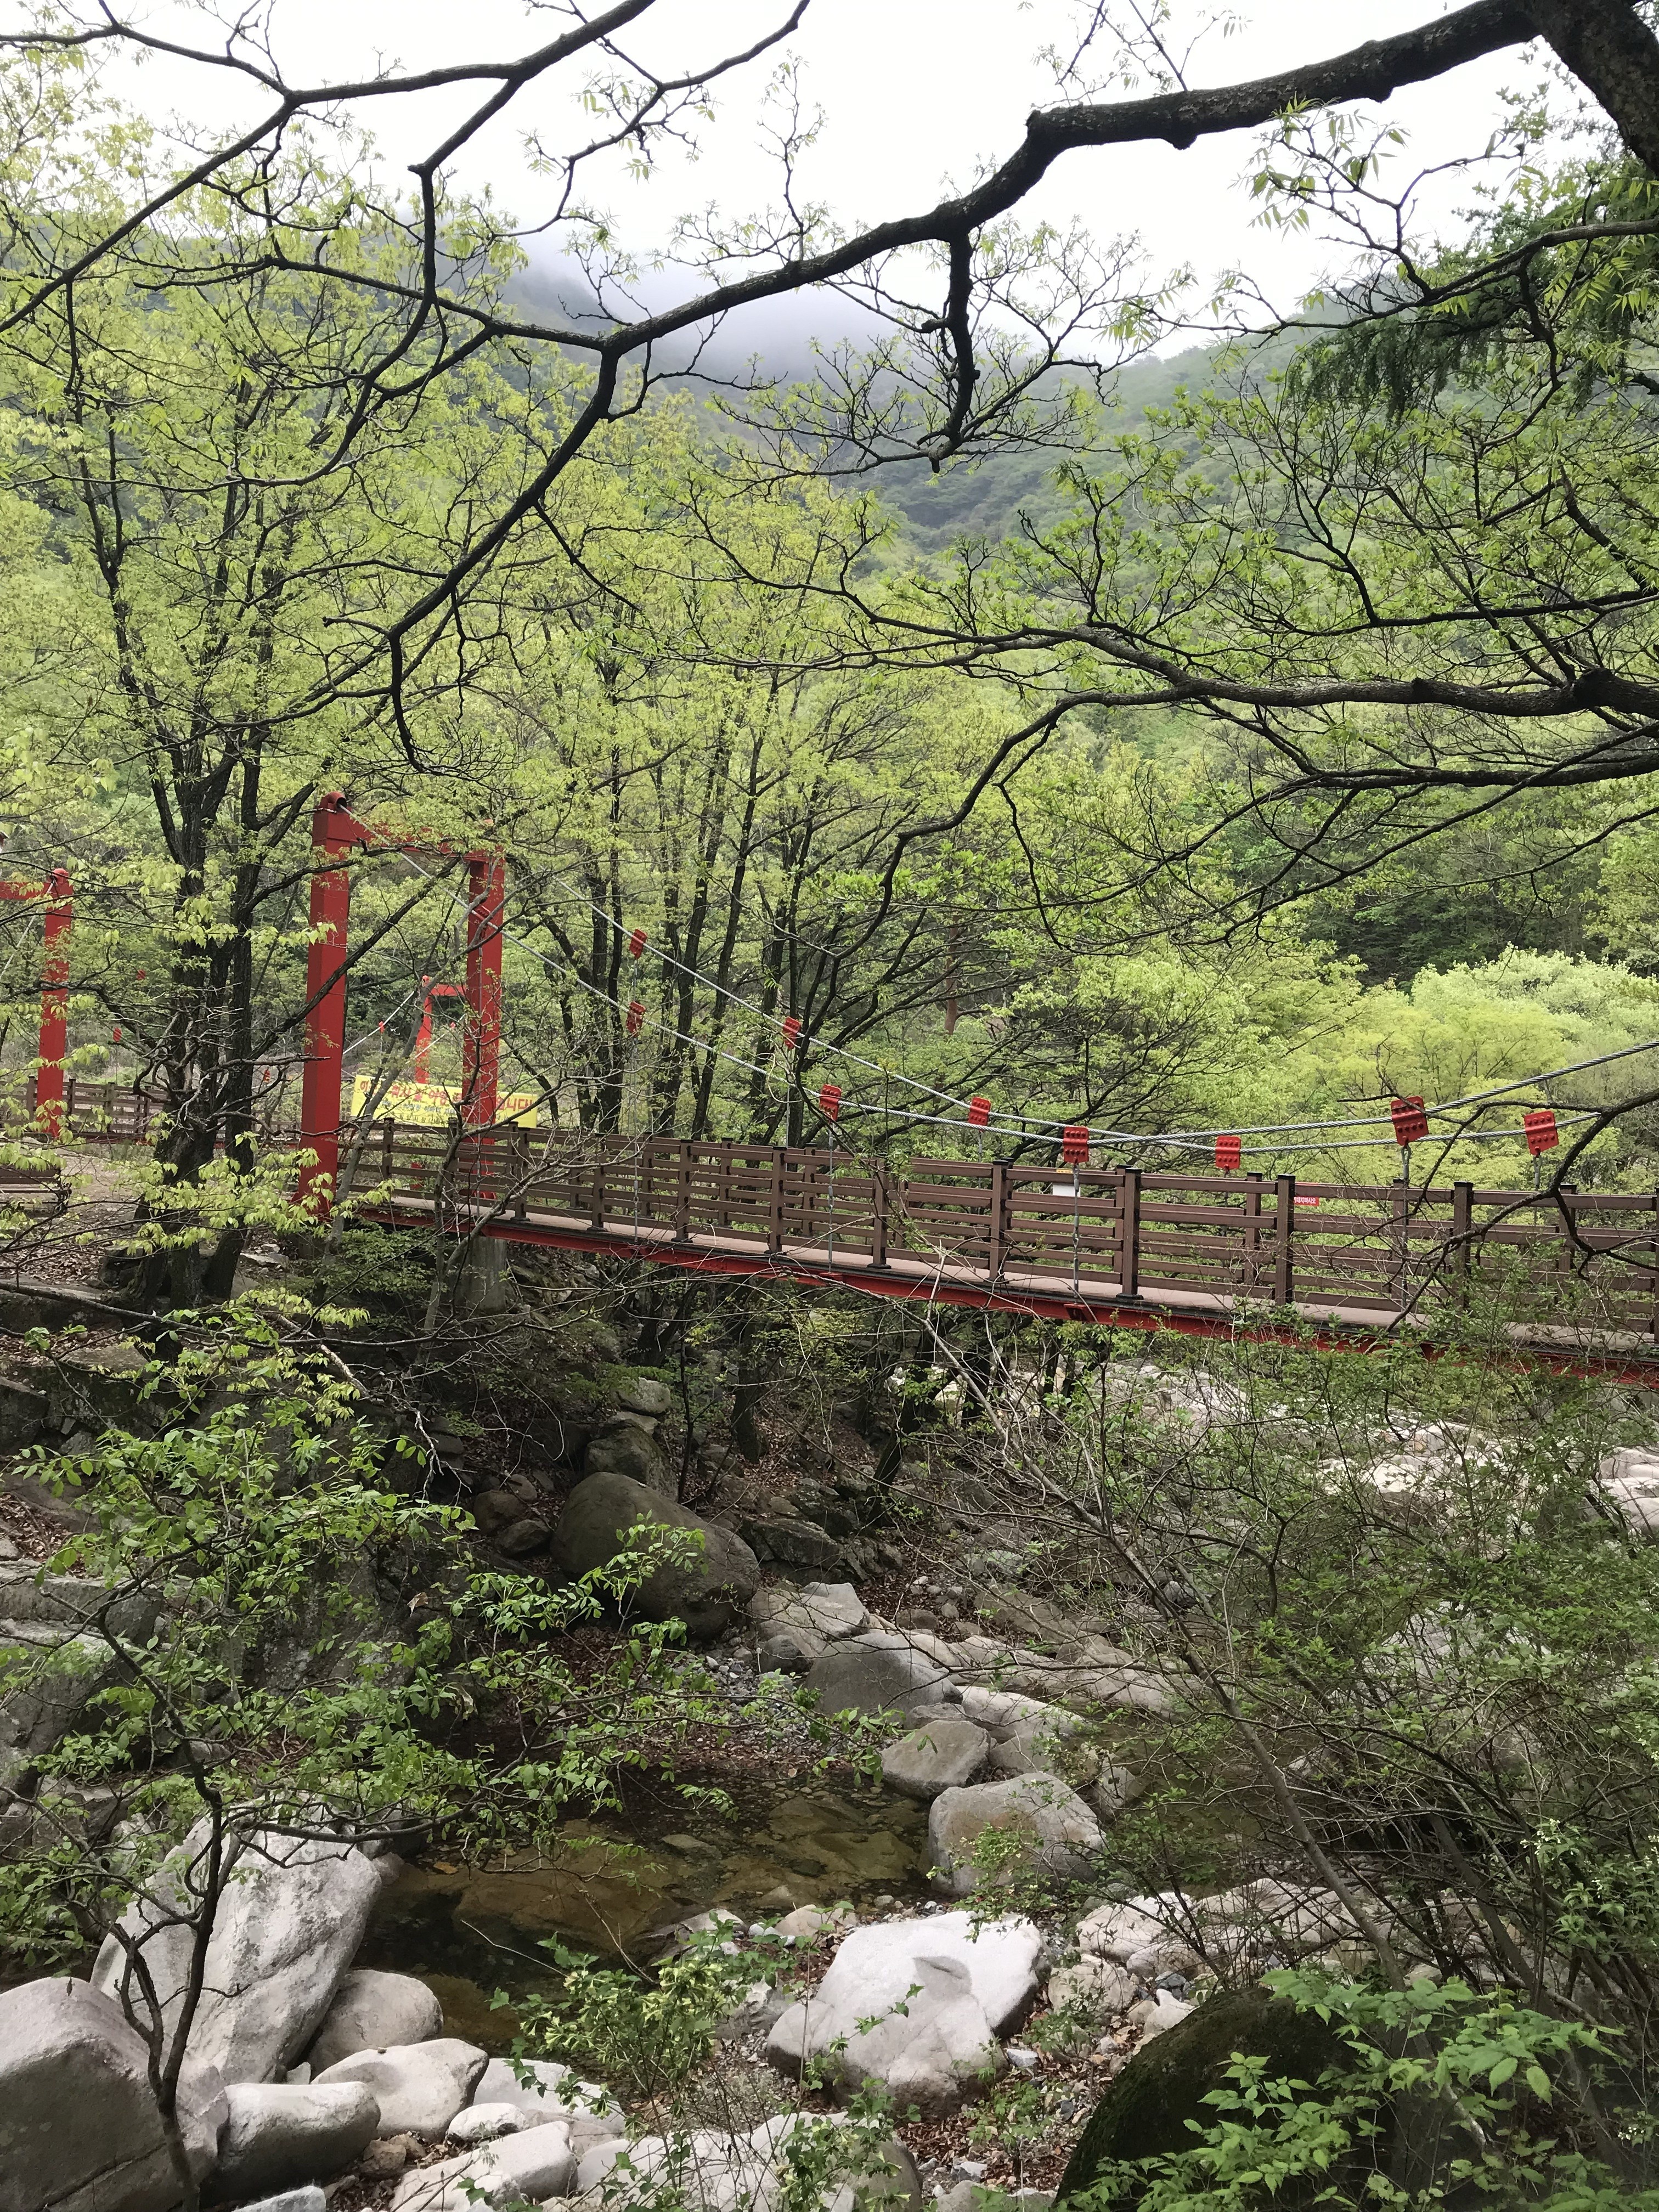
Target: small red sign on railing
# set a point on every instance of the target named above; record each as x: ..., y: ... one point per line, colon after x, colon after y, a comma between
x: 791, y: 1032
x: 636, y: 945
x: 1410, y: 1123
x: 636, y: 1018
x: 1542, y: 1135
x: 1229, y: 1153
x: 1074, y: 1145
x: 979, y: 1111
x: 829, y: 1102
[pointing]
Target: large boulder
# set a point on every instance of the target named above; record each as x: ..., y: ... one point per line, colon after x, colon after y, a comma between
x: 1145, y: 2113
x: 528, y: 2167
x: 707, y: 1594
x: 915, y: 2005
x: 371, y: 2010
x: 419, y: 2087
x: 1060, y: 1836
x: 79, y: 2131
x: 937, y: 1755
x: 280, y: 2135
x: 289, y: 1918
x: 878, y: 1672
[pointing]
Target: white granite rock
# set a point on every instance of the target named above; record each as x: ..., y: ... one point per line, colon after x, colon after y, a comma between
x: 419, y: 2087
x: 957, y: 1988
x: 282, y: 2135
x: 1061, y: 1836
x: 372, y: 2011
x: 830, y: 1610
x: 290, y: 1917
x: 532, y: 2166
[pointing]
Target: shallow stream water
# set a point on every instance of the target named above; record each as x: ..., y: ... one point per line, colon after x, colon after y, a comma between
x: 471, y: 1931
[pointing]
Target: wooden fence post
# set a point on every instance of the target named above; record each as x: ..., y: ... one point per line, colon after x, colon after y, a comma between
x: 1128, y: 1234
x: 683, y: 1192
x: 775, y: 1211
x: 1463, y: 1230
x: 879, y: 1214
x: 998, y: 1226
x: 1252, y: 1233
x: 1284, y: 1224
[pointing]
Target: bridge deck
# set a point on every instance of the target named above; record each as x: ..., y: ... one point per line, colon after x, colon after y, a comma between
x: 1200, y: 1253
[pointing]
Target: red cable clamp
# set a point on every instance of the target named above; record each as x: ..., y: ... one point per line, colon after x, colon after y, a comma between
x: 791, y: 1032
x: 979, y: 1111
x: 1410, y: 1123
x: 1542, y: 1135
x: 1229, y: 1154
x: 1074, y: 1145
x: 636, y: 945
x: 829, y: 1102
x: 636, y: 1018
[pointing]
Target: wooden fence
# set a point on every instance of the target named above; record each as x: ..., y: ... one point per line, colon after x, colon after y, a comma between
x: 1355, y: 1250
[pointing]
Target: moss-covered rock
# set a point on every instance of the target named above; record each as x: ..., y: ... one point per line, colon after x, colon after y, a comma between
x: 1145, y: 2112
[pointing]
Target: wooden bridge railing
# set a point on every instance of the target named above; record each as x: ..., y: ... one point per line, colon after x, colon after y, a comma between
x: 1114, y: 1232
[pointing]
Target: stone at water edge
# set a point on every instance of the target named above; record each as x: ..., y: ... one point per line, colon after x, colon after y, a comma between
x: 536, y: 2163
x: 957, y: 1987
x: 67, y: 2052
x: 1062, y: 1836
x: 1144, y: 2114
x: 706, y: 1595
x: 814, y: 1923
x: 419, y: 2087
x: 290, y: 1920
x: 937, y: 1755
x: 878, y: 1673
x: 371, y: 2010
x: 280, y: 2136
x: 310, y: 2199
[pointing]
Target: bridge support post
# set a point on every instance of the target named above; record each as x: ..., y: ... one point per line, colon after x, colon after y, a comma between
x: 486, y: 900
x: 54, y: 1006
x: 334, y: 831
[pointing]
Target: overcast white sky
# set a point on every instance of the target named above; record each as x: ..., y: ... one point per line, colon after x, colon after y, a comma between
x: 914, y: 93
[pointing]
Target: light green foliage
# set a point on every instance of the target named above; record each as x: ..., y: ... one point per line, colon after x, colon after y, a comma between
x: 326, y: 1651
x: 1450, y: 2099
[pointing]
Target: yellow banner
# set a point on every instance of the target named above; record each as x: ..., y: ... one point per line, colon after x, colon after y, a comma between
x: 436, y: 1104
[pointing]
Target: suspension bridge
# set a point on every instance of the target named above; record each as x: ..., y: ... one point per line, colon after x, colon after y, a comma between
x: 1199, y: 1253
